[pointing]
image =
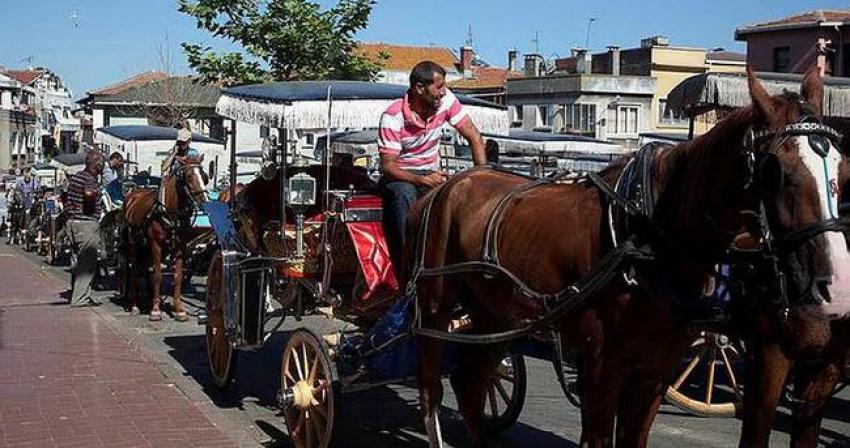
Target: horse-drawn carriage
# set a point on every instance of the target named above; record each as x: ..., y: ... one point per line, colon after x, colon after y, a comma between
x: 308, y: 240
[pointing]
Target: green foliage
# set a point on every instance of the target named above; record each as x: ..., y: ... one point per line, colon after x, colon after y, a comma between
x: 283, y: 39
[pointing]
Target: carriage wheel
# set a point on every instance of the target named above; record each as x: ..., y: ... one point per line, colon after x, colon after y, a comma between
x: 707, y: 385
x: 505, y: 393
x: 220, y: 352
x: 306, y: 393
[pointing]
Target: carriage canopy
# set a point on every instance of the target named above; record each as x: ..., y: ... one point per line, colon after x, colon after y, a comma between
x: 710, y: 91
x: 355, y: 104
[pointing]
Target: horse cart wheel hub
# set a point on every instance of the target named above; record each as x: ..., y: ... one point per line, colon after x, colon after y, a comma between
x: 302, y: 395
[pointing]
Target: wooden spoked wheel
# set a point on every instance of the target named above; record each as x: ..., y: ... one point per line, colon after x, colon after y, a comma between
x: 220, y: 353
x: 708, y: 384
x: 52, y: 253
x: 307, y: 391
x: 505, y: 393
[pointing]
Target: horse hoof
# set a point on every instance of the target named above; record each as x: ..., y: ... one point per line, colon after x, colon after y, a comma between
x: 134, y: 311
x: 181, y: 316
x: 155, y: 316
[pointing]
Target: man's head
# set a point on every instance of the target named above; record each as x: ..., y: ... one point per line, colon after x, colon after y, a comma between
x: 27, y: 172
x: 94, y: 162
x: 184, y: 137
x: 116, y: 161
x: 428, y: 83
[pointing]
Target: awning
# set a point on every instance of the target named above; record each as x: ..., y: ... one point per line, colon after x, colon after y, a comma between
x: 117, y: 135
x: 709, y: 91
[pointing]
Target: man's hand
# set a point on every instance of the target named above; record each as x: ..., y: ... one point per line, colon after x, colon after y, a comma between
x: 431, y: 180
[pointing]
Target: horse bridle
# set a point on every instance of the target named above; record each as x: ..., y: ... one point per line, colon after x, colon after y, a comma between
x: 764, y: 180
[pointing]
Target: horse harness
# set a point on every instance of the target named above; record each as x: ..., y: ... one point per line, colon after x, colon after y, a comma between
x: 763, y: 175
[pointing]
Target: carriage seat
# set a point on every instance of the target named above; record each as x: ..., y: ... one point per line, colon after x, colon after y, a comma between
x: 358, y: 206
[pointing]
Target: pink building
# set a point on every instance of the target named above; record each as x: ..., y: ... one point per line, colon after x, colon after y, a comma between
x: 795, y: 43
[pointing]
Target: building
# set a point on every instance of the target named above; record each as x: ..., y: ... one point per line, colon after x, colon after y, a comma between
x: 398, y: 60
x: 37, y: 116
x: 613, y: 95
x: 154, y: 98
x: 17, y: 122
x: 482, y: 80
x: 795, y: 43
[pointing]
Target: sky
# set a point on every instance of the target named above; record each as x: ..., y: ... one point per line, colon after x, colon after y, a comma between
x: 93, y: 43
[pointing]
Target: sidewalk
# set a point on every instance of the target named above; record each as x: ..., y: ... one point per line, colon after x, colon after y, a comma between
x: 67, y: 379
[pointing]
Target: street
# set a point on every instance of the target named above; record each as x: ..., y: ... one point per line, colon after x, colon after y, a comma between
x: 170, y: 375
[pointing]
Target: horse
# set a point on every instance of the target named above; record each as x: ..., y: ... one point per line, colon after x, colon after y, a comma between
x: 747, y: 173
x: 812, y: 336
x: 160, y: 220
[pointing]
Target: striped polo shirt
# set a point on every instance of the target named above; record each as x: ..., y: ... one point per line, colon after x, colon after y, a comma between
x: 416, y: 143
x: 75, y: 204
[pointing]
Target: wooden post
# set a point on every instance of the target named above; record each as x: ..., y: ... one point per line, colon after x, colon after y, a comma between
x: 232, y: 163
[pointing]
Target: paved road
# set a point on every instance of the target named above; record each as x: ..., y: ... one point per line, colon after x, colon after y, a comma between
x: 389, y: 416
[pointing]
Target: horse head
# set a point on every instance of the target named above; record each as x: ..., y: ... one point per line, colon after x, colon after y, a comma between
x: 799, y: 171
x: 193, y: 180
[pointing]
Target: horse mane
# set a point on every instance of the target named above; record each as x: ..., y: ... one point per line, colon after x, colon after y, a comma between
x: 689, y: 177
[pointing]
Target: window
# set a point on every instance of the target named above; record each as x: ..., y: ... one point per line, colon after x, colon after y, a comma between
x: 545, y: 119
x: 580, y: 119
x: 264, y: 132
x: 781, y: 59
x: 624, y: 120
x: 670, y: 117
x: 845, y: 60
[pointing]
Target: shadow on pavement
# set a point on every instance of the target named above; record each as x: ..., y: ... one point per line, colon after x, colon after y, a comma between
x: 386, y: 416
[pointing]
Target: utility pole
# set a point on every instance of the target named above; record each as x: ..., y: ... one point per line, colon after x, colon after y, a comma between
x: 590, y: 21
x: 536, y: 42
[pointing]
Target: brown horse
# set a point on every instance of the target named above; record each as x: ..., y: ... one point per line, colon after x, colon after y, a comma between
x: 630, y: 337
x: 160, y: 220
x: 813, y: 337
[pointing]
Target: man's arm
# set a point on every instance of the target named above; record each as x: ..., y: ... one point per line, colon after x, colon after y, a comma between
x: 389, y: 167
x: 467, y: 129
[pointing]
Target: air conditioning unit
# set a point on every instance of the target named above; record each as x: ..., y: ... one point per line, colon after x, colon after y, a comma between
x: 655, y: 41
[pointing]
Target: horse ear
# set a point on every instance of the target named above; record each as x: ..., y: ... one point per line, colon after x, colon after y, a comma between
x: 812, y: 89
x: 762, y: 101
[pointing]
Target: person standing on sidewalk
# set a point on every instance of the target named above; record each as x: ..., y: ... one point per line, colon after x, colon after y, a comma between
x: 84, y: 207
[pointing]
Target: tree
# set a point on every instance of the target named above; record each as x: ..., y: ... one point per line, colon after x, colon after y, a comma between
x: 284, y: 40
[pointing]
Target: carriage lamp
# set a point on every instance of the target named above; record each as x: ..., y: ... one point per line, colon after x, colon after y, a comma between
x: 301, y: 195
x: 302, y: 191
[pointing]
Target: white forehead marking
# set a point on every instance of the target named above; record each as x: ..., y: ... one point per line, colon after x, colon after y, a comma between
x: 825, y: 172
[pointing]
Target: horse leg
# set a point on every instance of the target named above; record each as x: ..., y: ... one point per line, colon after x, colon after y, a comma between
x: 813, y: 386
x: 638, y: 405
x: 470, y: 381
x: 156, y: 278
x: 431, y: 387
x: 600, y: 383
x: 765, y: 384
x: 179, y: 314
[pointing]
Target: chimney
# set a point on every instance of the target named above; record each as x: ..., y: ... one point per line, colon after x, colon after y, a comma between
x: 614, y: 51
x: 583, y: 61
x: 466, y: 61
x: 512, y: 60
x: 533, y: 65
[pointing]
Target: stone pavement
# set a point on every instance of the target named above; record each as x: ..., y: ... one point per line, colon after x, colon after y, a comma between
x: 67, y: 378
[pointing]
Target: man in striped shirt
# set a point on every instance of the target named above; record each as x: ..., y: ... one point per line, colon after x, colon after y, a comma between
x: 83, y: 206
x: 408, y: 142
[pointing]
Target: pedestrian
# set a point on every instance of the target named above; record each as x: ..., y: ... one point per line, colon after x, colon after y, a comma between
x: 408, y: 142
x: 114, y: 169
x: 83, y: 206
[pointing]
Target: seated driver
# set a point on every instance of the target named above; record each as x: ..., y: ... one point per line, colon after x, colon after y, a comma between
x: 409, y: 144
x: 182, y: 151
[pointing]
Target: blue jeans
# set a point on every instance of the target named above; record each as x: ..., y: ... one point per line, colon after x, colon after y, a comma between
x: 398, y: 196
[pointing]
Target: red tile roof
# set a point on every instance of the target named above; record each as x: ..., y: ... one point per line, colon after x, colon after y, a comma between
x: 25, y: 77
x: 134, y: 81
x: 485, y: 78
x: 403, y: 57
x: 724, y: 55
x: 803, y: 20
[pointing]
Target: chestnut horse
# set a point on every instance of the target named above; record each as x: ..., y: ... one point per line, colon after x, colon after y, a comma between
x: 813, y: 334
x: 631, y: 337
x: 160, y: 220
